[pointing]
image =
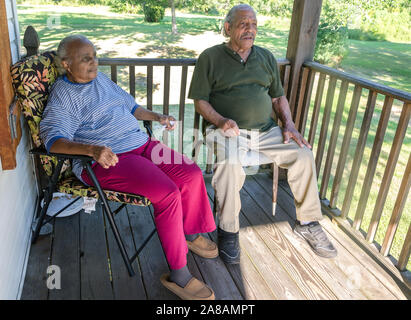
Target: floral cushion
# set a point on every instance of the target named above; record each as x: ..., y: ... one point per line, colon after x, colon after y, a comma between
x: 32, y: 79
x: 73, y: 186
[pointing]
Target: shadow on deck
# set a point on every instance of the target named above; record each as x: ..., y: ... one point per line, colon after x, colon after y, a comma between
x: 275, y: 263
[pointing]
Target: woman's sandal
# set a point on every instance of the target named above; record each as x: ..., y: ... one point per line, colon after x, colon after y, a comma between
x: 194, y: 289
x: 203, y: 247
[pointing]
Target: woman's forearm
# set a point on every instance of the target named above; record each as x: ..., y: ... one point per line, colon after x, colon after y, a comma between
x: 144, y: 114
x: 103, y: 155
x: 66, y: 146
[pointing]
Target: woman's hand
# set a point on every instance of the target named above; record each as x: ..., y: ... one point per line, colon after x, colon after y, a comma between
x: 167, y: 121
x: 104, y: 156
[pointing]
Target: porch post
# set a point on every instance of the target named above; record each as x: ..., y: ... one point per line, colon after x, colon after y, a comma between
x: 8, y: 143
x: 301, y: 41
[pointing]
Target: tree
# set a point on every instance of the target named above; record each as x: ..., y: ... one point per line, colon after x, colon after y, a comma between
x: 173, y: 18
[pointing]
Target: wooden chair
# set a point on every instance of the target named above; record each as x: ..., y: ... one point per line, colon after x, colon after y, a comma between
x: 32, y: 78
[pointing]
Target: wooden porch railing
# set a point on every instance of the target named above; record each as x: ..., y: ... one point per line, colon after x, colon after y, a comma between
x: 184, y: 65
x: 334, y: 166
x: 329, y: 179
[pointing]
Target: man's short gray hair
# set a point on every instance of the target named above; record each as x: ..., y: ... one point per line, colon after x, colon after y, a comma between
x: 62, y: 49
x: 229, y: 18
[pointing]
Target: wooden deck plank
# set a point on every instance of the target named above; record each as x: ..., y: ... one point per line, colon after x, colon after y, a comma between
x: 66, y: 255
x: 268, y: 267
x: 216, y: 275
x: 35, y: 287
x: 95, y: 276
x: 124, y: 286
x: 280, y: 282
x: 246, y: 275
x: 346, y: 261
x: 247, y: 278
x: 332, y: 277
x: 369, y: 264
x: 152, y: 260
x: 300, y: 270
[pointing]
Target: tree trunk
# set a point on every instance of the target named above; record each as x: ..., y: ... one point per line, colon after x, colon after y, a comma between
x: 173, y: 18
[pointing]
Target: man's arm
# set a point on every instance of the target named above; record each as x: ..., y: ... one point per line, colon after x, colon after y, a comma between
x: 208, y: 112
x: 282, y: 109
x: 143, y: 114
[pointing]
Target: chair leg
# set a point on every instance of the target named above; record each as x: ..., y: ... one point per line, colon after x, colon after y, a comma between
x: 48, y: 196
x: 275, y: 186
x: 110, y: 217
x: 40, y: 219
x: 215, y: 206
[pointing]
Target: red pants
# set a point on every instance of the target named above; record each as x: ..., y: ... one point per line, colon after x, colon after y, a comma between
x: 177, y: 192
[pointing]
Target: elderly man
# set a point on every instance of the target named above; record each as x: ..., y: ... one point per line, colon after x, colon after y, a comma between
x: 89, y: 114
x: 235, y: 87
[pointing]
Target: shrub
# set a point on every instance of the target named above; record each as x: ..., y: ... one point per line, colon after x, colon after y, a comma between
x: 154, y: 10
x: 332, y: 36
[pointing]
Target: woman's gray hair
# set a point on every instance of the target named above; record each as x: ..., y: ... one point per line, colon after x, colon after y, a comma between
x: 229, y: 18
x: 62, y: 50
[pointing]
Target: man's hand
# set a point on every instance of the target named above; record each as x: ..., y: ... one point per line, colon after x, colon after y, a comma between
x: 167, y: 121
x: 229, y: 127
x: 104, y: 156
x: 290, y: 132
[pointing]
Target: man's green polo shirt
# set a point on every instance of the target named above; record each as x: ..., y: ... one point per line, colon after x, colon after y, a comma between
x: 238, y: 90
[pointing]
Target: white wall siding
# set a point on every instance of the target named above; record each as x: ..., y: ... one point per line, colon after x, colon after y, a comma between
x: 14, y: 32
x: 18, y: 194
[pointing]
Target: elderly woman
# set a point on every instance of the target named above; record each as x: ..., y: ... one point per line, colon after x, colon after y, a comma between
x: 89, y: 114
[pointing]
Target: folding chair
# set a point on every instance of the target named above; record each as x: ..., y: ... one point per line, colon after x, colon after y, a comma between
x: 211, y: 154
x: 32, y: 78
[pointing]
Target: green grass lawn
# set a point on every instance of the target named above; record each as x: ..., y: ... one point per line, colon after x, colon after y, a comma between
x: 121, y: 35
x: 381, y: 61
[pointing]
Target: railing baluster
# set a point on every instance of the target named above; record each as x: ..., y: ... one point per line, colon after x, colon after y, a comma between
x: 307, y: 101
x: 114, y: 73
x: 405, y: 251
x: 166, y: 99
x: 359, y: 152
x: 297, y: 112
x: 398, y: 208
x: 389, y: 171
x: 325, y: 123
x: 317, y: 107
x: 333, y: 139
x: 196, y: 129
x: 286, y: 79
x: 132, y: 80
x: 345, y: 145
x: 150, y: 87
x: 182, y: 108
x: 373, y: 161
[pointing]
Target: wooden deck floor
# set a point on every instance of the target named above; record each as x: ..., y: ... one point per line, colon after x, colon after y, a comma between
x: 275, y: 263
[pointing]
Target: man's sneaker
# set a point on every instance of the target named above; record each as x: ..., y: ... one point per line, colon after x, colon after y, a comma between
x: 229, y: 246
x: 317, y: 239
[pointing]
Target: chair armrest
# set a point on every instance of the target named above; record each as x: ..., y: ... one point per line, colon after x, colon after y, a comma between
x: 43, y: 151
x: 147, y: 125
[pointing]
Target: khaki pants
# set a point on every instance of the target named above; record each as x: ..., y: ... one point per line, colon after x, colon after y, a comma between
x: 261, y: 147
